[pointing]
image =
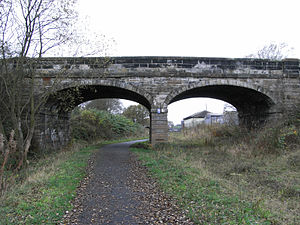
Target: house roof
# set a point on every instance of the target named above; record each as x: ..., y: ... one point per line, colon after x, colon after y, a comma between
x: 197, y: 115
x: 216, y: 115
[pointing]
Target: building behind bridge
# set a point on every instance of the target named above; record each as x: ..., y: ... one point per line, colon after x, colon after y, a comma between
x: 208, y: 118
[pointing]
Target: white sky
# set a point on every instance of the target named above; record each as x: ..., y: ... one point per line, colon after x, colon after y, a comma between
x: 201, y: 28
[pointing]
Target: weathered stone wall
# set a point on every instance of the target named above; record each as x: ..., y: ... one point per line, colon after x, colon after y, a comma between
x: 258, y: 88
x: 52, y: 130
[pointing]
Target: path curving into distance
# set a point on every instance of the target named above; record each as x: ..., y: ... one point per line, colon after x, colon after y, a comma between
x: 118, y: 190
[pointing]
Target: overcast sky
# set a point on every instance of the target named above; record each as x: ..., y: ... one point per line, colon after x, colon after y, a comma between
x: 201, y: 28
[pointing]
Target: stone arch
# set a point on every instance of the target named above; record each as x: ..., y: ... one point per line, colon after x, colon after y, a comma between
x: 109, y: 89
x: 53, y: 128
x: 254, y: 103
x: 217, y: 82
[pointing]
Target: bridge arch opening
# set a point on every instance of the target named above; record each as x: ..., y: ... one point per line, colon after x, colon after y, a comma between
x: 252, y: 105
x: 190, y: 108
x: 53, y: 127
x: 67, y: 99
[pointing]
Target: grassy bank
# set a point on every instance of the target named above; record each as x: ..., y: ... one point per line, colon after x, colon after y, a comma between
x: 225, y: 176
x: 45, y: 195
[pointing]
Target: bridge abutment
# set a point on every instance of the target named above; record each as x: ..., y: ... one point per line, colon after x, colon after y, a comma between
x: 52, y: 130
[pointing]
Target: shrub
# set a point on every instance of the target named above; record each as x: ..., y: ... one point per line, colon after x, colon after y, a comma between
x: 294, y: 160
x: 90, y: 125
x: 276, y: 139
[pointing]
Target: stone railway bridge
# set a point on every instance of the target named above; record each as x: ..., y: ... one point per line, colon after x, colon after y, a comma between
x: 259, y: 89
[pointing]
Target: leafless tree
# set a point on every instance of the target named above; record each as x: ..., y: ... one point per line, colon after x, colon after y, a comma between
x: 272, y: 51
x: 28, y: 29
x: 228, y: 108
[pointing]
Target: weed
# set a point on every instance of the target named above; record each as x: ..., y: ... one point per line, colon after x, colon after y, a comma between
x: 45, y: 195
x: 294, y: 160
x: 90, y: 125
x: 202, y: 197
x: 142, y: 145
x: 227, y: 175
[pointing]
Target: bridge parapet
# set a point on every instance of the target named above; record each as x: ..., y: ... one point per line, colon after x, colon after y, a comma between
x: 173, y: 66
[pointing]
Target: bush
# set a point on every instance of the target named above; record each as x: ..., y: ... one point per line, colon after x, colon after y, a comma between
x: 90, y: 125
x: 276, y: 139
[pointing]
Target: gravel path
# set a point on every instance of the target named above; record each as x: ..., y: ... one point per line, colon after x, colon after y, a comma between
x: 118, y: 190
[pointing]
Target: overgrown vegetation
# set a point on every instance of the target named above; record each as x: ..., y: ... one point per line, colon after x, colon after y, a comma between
x: 87, y: 126
x: 44, y: 195
x: 49, y: 184
x: 230, y: 175
x: 91, y: 125
x: 30, y: 29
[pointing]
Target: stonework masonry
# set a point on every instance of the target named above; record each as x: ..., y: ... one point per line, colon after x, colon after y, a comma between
x: 259, y: 89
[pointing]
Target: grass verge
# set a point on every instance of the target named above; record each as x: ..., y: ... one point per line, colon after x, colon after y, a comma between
x: 217, y: 187
x: 46, y: 194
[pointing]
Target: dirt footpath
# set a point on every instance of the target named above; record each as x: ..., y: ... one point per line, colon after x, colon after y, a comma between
x: 118, y: 190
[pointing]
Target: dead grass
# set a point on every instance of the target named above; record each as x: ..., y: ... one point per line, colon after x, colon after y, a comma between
x: 262, y: 167
x: 40, y: 171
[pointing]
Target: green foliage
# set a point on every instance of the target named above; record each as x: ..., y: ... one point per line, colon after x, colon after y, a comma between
x: 110, y: 105
x: 90, y: 125
x: 138, y: 113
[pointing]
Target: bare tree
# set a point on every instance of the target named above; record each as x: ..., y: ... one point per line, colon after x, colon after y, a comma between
x: 228, y: 108
x: 28, y: 29
x: 272, y: 51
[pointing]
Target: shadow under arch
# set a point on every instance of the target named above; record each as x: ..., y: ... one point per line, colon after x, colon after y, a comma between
x: 53, y: 122
x: 66, y: 99
x: 252, y: 105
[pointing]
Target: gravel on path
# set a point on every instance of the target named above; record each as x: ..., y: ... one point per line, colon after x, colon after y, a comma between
x: 119, y: 190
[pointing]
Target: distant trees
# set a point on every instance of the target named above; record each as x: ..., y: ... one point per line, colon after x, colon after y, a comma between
x: 272, y: 51
x: 112, y: 105
x: 138, y: 113
x: 170, y: 124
